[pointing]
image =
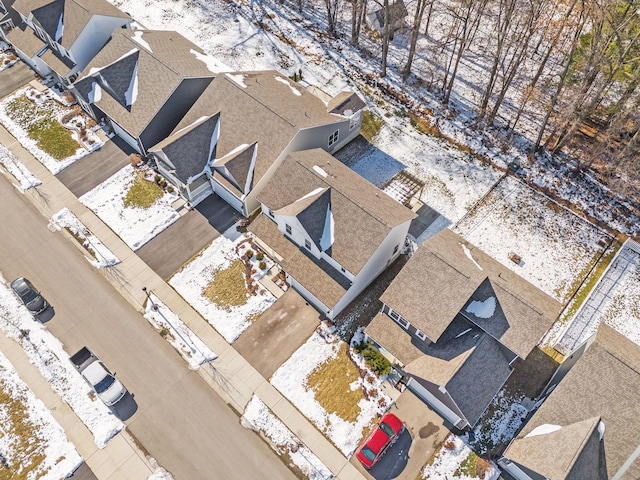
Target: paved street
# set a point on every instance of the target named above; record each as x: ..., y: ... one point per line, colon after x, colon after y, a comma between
x: 180, y: 421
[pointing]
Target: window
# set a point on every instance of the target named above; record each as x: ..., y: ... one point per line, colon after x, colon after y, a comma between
x: 271, y: 213
x: 402, y: 322
x: 420, y: 335
x: 393, y: 315
x: 307, y: 244
x: 287, y: 228
x: 333, y: 138
x: 395, y: 249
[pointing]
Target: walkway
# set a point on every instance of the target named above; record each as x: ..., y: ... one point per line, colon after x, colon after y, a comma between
x: 230, y: 375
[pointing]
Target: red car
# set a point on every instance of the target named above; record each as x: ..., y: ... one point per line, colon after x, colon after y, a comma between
x: 386, y: 432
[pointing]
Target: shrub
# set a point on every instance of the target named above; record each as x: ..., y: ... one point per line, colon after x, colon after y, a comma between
x: 259, y: 256
x: 157, y: 179
x: 170, y: 189
x: 249, y: 254
x: 262, y: 265
x: 163, y: 183
x: 135, y: 159
x: 374, y: 359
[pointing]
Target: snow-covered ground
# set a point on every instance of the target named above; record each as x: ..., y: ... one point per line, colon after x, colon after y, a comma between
x: 194, y: 278
x: 136, y: 226
x: 554, y: 245
x: 189, y: 346
x: 447, y: 462
x: 258, y: 417
x: 291, y: 380
x: 48, y: 104
x: 9, y: 161
x: 31, y: 440
x: 100, y: 256
x: 46, y: 352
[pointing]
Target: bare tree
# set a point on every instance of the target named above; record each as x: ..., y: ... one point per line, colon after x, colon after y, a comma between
x: 358, y: 14
x: 415, y: 30
x: 386, y: 34
x: 333, y: 8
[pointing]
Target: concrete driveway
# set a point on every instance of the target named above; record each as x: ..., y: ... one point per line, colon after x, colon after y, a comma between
x: 15, y: 77
x: 173, y: 247
x: 90, y: 171
x: 278, y: 332
x: 425, y: 432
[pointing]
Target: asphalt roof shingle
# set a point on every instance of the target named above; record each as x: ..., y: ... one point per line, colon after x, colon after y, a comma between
x: 603, y: 384
x: 450, y: 273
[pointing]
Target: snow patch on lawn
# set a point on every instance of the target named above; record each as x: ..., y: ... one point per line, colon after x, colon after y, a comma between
x: 136, y: 226
x: 259, y: 418
x: 448, y: 460
x: 46, y: 352
x: 16, y: 168
x: 48, y: 439
x: 187, y: 343
x: 198, y: 274
x: 291, y: 380
x: 102, y: 256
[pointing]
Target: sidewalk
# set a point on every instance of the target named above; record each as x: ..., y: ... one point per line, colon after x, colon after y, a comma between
x: 230, y: 375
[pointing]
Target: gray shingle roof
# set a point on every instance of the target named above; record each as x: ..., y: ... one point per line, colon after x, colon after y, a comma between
x: 363, y: 215
x: 345, y: 103
x: 23, y: 38
x: 76, y: 15
x: 449, y: 273
x: 603, y: 384
x: 117, y: 77
x: 159, y: 72
x: 189, y: 149
x: 264, y: 111
x: 58, y: 63
x: 317, y: 276
x: 239, y: 167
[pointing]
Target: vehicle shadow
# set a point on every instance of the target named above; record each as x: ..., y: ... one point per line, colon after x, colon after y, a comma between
x: 125, y: 408
x: 46, y: 315
x: 395, y: 459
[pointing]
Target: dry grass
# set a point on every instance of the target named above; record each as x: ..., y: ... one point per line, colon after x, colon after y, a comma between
x: 331, y: 382
x: 142, y: 193
x: 25, y: 443
x: 228, y: 287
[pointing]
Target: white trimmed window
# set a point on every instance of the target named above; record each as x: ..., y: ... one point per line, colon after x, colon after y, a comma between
x: 307, y: 244
x: 287, y: 228
x: 420, y: 335
x: 333, y: 138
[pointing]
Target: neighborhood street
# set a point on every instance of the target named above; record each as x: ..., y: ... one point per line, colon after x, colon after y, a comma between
x: 179, y: 420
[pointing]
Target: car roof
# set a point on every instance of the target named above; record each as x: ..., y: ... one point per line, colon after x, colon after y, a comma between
x: 378, y: 440
x: 21, y: 284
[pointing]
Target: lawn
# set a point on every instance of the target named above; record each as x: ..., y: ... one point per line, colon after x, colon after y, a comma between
x: 142, y: 193
x: 222, y: 284
x: 53, y: 138
x: 330, y: 384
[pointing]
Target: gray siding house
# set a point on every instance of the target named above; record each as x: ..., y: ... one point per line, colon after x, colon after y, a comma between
x: 588, y: 427
x: 457, y: 323
x: 142, y: 83
x: 330, y: 230
x: 236, y: 134
x: 60, y: 37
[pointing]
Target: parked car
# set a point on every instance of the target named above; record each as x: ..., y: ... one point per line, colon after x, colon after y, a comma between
x: 382, y: 437
x: 105, y: 384
x: 29, y: 295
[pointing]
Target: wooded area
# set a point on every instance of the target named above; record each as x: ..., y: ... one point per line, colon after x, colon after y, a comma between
x: 564, y: 74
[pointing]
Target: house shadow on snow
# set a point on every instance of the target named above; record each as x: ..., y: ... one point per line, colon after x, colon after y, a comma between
x: 369, y: 161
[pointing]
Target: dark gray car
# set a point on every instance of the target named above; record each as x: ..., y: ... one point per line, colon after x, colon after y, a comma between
x: 29, y: 295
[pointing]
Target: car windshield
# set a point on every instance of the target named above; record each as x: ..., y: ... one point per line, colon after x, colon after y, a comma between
x: 28, y: 295
x: 387, y: 429
x: 368, y: 453
x: 105, y: 383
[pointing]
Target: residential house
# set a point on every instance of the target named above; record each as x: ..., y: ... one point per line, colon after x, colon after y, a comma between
x: 587, y: 428
x: 241, y: 128
x: 142, y: 83
x: 457, y: 322
x: 8, y: 16
x: 330, y: 230
x: 397, y: 13
x: 60, y: 37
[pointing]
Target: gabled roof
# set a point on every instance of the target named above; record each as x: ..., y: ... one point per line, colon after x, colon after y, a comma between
x: 453, y: 276
x: 163, y: 59
x: 470, y: 364
x: 362, y: 215
x: 602, y: 385
x: 264, y: 108
x: 311, y: 211
x: 238, y: 165
x: 75, y: 15
x: 191, y: 148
